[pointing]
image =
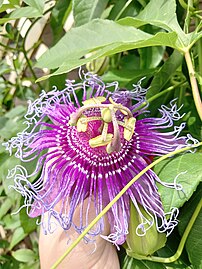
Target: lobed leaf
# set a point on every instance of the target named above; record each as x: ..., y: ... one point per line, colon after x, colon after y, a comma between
x: 187, y: 171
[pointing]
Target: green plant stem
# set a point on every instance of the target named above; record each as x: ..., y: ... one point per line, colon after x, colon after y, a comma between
x: 194, y: 86
x: 188, y: 16
x: 107, y: 208
x: 185, y: 6
x: 123, y: 9
x: 30, y: 66
x: 199, y: 43
x: 154, y: 97
x: 198, y: 16
x: 181, y: 245
x: 25, y: 52
x: 9, y: 48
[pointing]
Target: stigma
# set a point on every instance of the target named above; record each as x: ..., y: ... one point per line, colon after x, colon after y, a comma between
x: 117, y: 122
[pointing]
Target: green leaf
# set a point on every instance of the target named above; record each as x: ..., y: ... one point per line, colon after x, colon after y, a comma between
x: 5, y: 7
x: 121, y: 9
x: 165, y: 73
x: 28, y: 224
x: 58, y: 18
x: 161, y: 14
x: 35, y: 265
x: 87, y: 10
x: 107, y: 37
x: 81, y: 40
x: 14, y: 2
x: 74, y: 62
x: 12, y: 123
x: 116, y: 9
x: 17, y: 237
x: 17, y: 112
x: 3, y: 243
x: 24, y: 255
x: 199, y: 78
x: 193, y: 121
x: 131, y: 263
x: 11, y: 222
x: 9, y: 262
x: 125, y: 76
x: 187, y: 171
x: 11, y: 127
x: 27, y: 12
x: 193, y: 243
x: 1, y: 2
x: 170, y: 249
x: 38, y: 4
x: 4, y: 68
x: 9, y: 163
x: 194, y: 36
x: 150, y: 57
x: 5, y: 206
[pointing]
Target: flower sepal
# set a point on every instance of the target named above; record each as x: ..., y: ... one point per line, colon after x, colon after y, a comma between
x: 142, y: 245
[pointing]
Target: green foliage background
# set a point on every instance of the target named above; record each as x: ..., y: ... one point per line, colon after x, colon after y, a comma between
x: 122, y: 41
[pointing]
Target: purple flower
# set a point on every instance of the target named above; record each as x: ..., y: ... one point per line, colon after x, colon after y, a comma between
x: 89, y: 150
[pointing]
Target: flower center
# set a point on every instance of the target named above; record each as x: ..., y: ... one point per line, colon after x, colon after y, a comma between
x: 109, y: 113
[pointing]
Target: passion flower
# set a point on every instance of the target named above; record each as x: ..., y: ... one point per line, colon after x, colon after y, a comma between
x: 89, y: 142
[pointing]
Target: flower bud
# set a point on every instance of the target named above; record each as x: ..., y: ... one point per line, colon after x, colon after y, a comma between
x: 143, y: 240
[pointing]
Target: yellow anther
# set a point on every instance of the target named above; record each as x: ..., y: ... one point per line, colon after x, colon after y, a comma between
x: 98, y: 141
x: 112, y: 101
x: 94, y: 100
x: 82, y: 124
x: 129, y: 128
x: 118, y: 105
x: 106, y: 115
x: 124, y: 112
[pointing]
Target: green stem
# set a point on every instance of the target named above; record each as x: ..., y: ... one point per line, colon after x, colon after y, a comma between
x: 117, y: 197
x: 199, y: 43
x: 123, y: 9
x: 181, y: 245
x: 9, y: 48
x: 185, y: 6
x: 154, y: 97
x: 194, y: 86
x: 25, y: 52
x: 30, y: 66
x: 188, y: 16
x: 198, y: 17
